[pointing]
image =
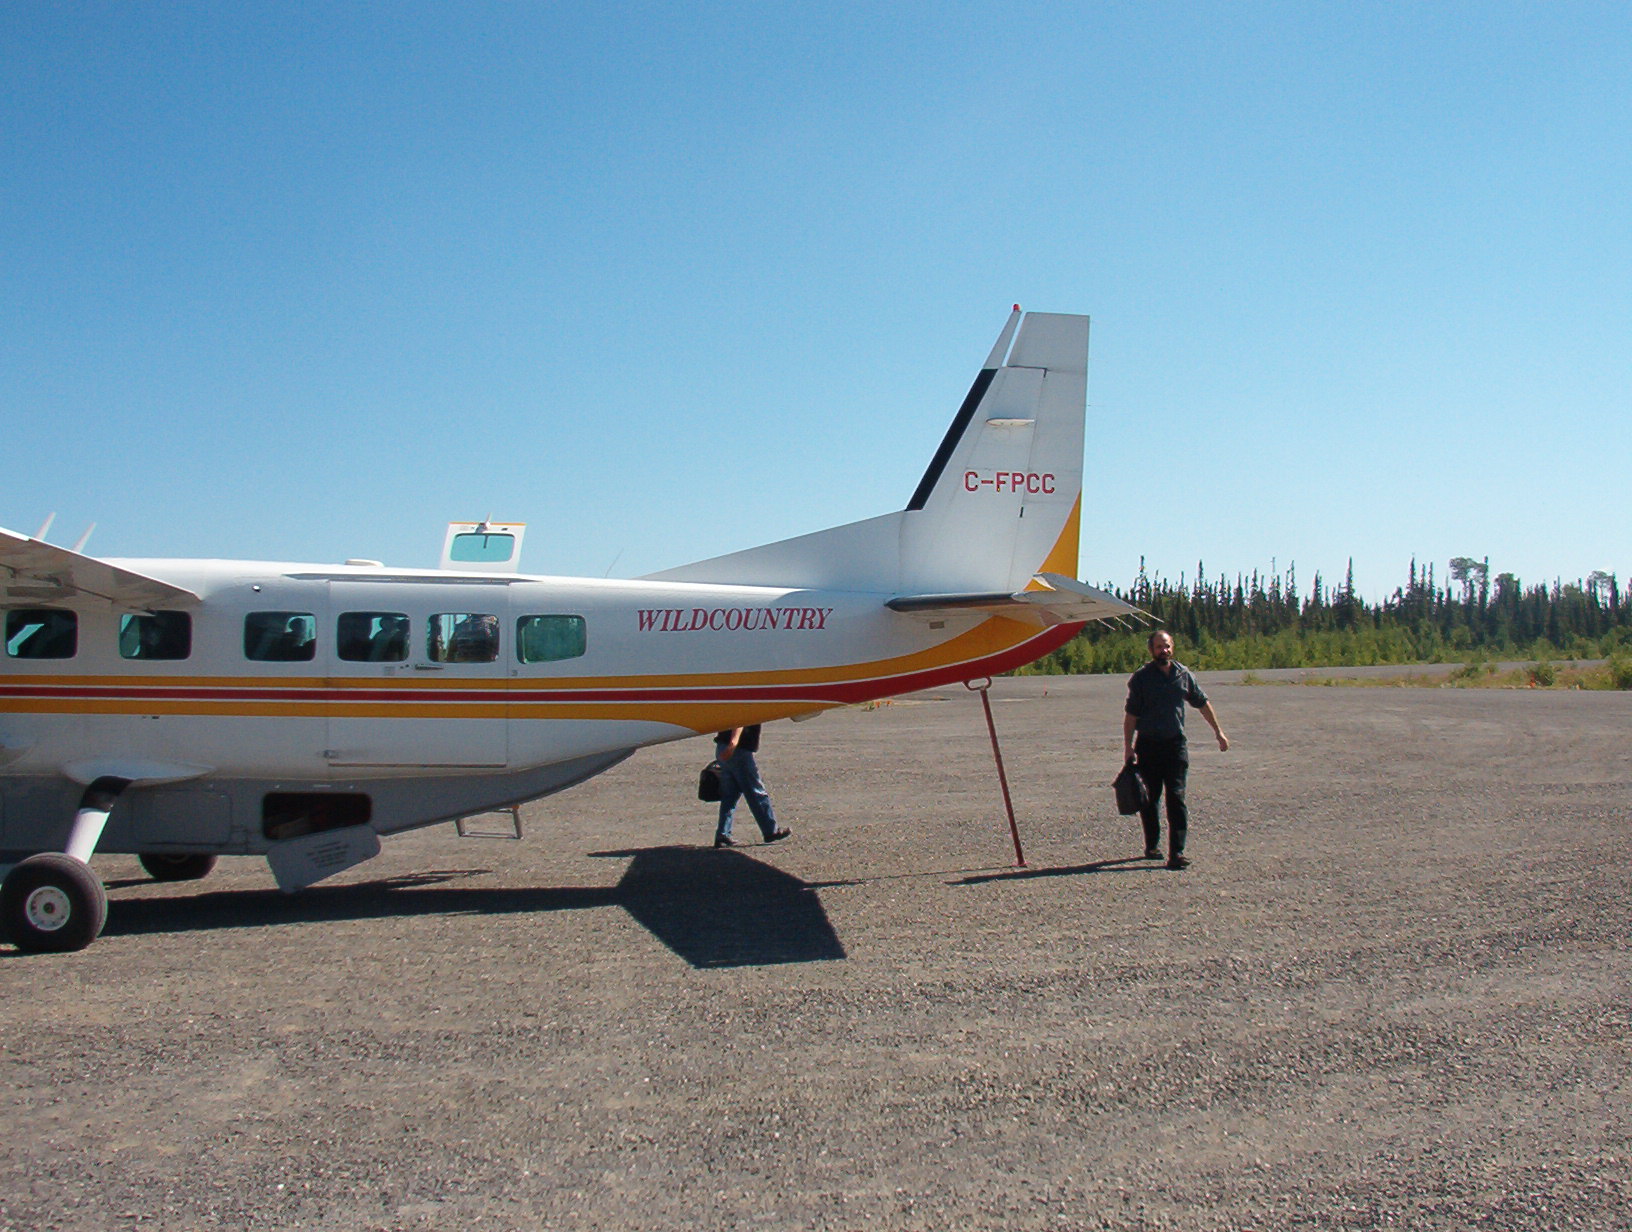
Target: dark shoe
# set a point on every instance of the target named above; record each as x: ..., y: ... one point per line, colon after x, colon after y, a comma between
x: 778, y: 835
x: 721, y: 840
x: 1178, y: 862
x: 1153, y: 853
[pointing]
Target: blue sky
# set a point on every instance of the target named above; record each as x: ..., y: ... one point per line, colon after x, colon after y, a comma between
x: 307, y: 281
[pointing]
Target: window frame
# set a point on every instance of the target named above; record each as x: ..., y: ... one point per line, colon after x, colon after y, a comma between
x: 578, y: 623
x: 343, y: 641
x: 18, y: 637
x: 161, y: 616
x: 261, y: 636
x: 443, y: 631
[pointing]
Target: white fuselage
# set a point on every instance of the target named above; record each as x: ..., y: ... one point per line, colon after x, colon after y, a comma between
x: 426, y: 733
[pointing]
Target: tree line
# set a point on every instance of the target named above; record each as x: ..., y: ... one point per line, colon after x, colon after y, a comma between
x: 1265, y: 620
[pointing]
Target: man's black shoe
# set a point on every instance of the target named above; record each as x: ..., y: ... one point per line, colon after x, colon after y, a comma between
x: 1153, y: 853
x: 778, y: 835
x: 721, y: 840
x: 1178, y: 862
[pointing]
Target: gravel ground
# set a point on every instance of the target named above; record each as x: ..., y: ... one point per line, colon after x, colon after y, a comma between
x: 1393, y: 991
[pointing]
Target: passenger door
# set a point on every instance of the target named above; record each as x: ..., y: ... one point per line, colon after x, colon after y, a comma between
x: 420, y: 674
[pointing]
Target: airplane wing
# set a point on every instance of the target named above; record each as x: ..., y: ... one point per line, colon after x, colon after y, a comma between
x: 34, y: 569
x: 1057, y: 600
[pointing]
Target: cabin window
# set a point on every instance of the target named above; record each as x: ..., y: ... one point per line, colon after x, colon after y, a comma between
x: 41, y: 633
x: 463, y: 637
x: 280, y: 637
x: 371, y: 637
x: 544, y: 639
x: 481, y: 548
x: 155, y: 635
x: 290, y: 814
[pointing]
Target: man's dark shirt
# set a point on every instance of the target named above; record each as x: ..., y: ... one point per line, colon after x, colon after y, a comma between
x: 747, y: 742
x: 1156, y: 700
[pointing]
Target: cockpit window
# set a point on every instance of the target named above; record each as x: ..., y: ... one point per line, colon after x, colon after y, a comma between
x: 41, y: 633
x: 371, y: 637
x: 462, y: 637
x: 155, y: 635
x: 280, y: 637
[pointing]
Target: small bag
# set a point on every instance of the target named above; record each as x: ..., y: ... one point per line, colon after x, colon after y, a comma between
x: 708, y: 783
x: 1131, y: 794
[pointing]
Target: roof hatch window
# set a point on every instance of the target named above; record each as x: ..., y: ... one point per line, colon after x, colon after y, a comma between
x: 481, y: 549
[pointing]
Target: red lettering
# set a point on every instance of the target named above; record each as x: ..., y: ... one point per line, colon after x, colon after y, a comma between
x: 1033, y: 483
x: 730, y: 619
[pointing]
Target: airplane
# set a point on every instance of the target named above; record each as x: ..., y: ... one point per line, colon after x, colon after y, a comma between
x: 179, y: 710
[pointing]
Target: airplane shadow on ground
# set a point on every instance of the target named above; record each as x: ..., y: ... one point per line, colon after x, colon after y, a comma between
x: 712, y: 908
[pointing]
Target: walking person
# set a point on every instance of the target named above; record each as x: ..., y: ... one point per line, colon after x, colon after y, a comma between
x: 739, y: 777
x: 1153, y: 739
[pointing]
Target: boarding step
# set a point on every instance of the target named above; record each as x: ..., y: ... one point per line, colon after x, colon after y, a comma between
x: 495, y: 823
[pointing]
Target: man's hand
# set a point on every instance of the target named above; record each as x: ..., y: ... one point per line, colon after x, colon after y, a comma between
x: 1218, y: 729
x: 1127, y: 761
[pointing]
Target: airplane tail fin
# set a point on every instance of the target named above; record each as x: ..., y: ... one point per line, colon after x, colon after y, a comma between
x: 1002, y: 499
x: 1000, y: 503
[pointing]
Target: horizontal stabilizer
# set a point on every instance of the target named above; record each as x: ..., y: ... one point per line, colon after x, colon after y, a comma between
x: 33, y: 570
x: 1056, y: 601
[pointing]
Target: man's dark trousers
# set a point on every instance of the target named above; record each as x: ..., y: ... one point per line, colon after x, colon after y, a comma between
x: 1164, y: 765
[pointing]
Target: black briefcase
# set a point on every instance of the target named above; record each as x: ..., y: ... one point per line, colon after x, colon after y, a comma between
x: 708, y: 783
x: 1131, y: 795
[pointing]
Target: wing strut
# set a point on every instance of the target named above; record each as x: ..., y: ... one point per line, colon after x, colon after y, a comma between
x: 984, y: 688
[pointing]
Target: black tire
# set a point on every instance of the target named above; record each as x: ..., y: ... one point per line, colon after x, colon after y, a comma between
x: 162, y: 866
x: 53, y: 904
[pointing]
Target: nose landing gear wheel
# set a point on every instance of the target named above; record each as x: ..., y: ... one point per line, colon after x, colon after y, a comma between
x: 52, y: 903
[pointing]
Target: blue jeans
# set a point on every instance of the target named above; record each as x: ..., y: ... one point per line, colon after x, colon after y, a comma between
x: 739, y: 777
